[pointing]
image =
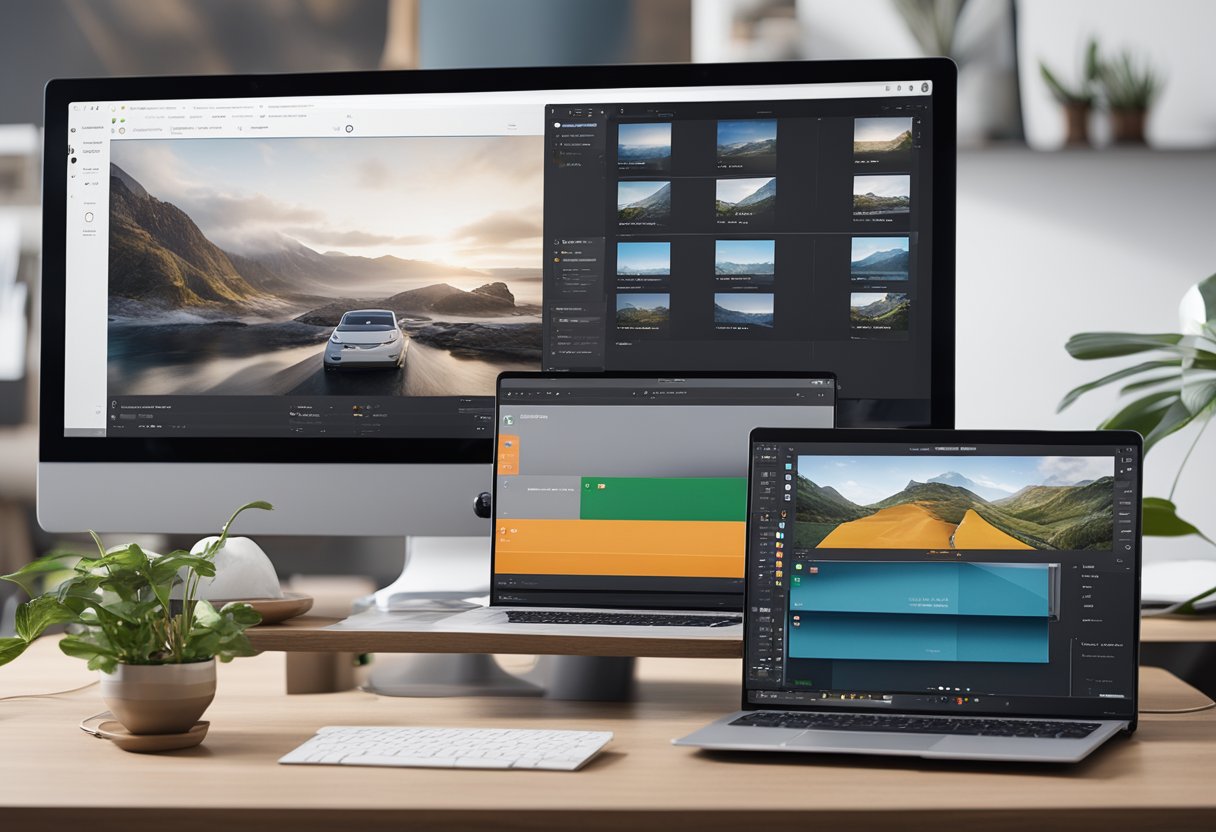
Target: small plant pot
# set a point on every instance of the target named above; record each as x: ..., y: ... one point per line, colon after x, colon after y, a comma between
x: 1076, y: 118
x: 1127, y: 126
x: 159, y: 698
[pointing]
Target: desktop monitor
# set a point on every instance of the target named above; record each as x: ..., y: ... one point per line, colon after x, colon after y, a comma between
x: 219, y: 252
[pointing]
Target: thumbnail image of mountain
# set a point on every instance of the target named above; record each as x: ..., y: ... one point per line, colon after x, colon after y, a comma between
x: 881, y: 194
x: 644, y: 146
x: 743, y: 309
x: 887, y: 311
x: 643, y: 258
x: 747, y: 144
x: 955, y: 502
x: 643, y: 203
x: 643, y: 310
x: 879, y: 258
x: 881, y: 139
x: 745, y: 201
x: 231, y: 261
x: 744, y: 256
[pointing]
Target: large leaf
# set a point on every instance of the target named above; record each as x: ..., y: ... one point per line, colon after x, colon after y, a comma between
x: 1161, y: 520
x: 28, y: 576
x: 1090, y: 345
x: 1143, y: 414
x: 1207, y: 289
x: 1199, y: 395
x: 42, y: 612
x: 11, y: 648
x: 1172, y: 420
x: 1143, y: 367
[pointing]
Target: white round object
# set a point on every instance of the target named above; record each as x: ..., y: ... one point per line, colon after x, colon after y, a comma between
x: 242, y: 571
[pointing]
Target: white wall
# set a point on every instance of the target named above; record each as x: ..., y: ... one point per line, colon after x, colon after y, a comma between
x: 1051, y: 244
x: 1176, y: 35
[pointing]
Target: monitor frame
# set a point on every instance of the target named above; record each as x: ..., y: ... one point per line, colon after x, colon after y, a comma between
x: 59, y: 93
x: 629, y: 374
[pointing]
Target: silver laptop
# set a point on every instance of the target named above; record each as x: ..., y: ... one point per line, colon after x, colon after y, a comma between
x: 620, y: 499
x: 950, y: 594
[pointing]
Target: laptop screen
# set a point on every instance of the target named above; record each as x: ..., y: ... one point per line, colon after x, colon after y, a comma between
x: 630, y: 491
x: 944, y: 571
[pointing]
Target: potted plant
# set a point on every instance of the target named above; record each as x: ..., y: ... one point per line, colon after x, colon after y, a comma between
x: 156, y: 652
x: 1174, y: 389
x: 1130, y: 87
x: 1077, y: 101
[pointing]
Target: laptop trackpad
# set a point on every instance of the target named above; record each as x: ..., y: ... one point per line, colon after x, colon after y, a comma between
x: 863, y: 741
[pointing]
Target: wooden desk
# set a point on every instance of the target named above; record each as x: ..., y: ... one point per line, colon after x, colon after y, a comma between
x: 307, y: 634
x: 53, y: 776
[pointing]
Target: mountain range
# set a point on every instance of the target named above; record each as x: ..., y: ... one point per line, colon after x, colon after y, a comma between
x: 727, y: 267
x: 880, y: 310
x: 1075, y: 517
x: 161, y: 259
x: 745, y: 150
x: 629, y: 315
x: 757, y: 202
x: 657, y: 206
x: 986, y: 491
x: 642, y: 152
x: 872, y: 203
x: 722, y: 315
x: 892, y: 261
x: 901, y: 142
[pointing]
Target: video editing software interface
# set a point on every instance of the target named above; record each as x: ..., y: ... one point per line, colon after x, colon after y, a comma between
x: 625, y: 492
x: 748, y: 234
x: 989, y: 578
x: 214, y: 246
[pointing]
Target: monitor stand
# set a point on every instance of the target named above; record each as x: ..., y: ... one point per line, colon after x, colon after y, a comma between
x: 445, y: 573
x: 442, y: 574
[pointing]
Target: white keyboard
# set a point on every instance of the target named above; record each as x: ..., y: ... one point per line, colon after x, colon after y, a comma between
x: 349, y: 745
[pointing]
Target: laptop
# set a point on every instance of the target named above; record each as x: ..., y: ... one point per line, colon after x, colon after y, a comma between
x: 943, y: 594
x: 620, y: 499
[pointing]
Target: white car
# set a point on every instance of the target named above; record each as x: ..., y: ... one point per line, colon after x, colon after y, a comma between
x: 366, y: 338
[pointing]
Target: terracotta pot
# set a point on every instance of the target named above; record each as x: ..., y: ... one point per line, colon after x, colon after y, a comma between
x: 1076, y: 115
x: 159, y: 698
x: 1127, y: 126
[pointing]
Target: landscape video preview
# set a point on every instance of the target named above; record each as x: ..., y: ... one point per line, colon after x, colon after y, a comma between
x: 746, y: 201
x: 644, y: 146
x: 955, y: 502
x: 231, y: 262
x: 747, y: 145
x: 876, y: 195
x: 882, y: 139
x: 879, y: 312
x: 643, y: 203
x: 879, y: 258
x: 643, y: 310
x: 743, y: 309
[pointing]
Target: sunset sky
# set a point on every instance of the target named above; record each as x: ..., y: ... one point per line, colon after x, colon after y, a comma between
x: 467, y: 201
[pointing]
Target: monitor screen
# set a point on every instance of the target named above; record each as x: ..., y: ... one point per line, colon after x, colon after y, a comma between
x: 330, y: 263
x: 616, y: 491
x: 989, y: 576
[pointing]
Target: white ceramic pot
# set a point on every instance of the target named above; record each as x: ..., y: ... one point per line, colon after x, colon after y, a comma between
x: 159, y: 698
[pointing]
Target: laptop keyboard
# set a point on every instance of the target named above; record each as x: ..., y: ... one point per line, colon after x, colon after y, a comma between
x: 620, y: 618
x: 894, y: 723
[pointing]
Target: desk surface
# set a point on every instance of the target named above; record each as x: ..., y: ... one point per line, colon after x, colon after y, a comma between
x: 51, y: 774
x: 307, y: 634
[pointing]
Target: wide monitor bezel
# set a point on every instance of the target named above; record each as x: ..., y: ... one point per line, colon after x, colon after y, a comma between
x: 55, y: 447
x: 642, y: 374
x: 904, y: 437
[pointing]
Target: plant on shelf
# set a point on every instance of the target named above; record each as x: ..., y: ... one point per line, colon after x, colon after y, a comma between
x: 1077, y: 101
x: 136, y: 617
x: 1129, y: 86
x: 1173, y: 390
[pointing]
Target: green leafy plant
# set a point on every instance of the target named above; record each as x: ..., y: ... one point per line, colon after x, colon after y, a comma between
x: 1175, y: 388
x: 1084, y: 93
x: 1128, y: 83
x: 119, y: 607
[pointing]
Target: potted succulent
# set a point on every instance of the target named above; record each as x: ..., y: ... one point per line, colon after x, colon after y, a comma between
x: 136, y: 617
x: 1077, y: 101
x: 1130, y: 87
x: 1172, y: 390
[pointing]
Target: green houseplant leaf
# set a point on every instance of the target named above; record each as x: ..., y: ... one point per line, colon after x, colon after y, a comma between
x: 119, y: 606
